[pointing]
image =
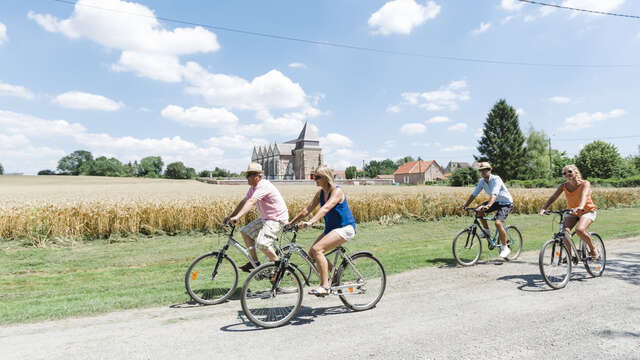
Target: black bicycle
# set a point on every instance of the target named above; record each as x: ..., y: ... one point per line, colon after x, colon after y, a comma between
x: 272, y: 294
x: 556, y: 261
x: 467, y: 244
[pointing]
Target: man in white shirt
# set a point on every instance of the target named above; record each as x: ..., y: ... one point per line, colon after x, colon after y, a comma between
x: 500, y: 200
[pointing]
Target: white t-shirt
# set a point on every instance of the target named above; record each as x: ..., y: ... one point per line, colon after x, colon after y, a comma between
x: 494, y: 187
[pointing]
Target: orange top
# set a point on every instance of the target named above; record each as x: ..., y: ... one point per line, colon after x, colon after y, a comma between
x: 575, y: 197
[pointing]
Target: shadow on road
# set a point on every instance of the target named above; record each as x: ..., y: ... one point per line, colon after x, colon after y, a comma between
x: 613, y: 334
x: 305, y: 316
x: 625, y: 267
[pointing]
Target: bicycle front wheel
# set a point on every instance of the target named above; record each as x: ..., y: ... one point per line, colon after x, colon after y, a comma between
x: 361, y: 282
x: 595, y: 268
x: 265, y: 306
x: 514, y: 241
x: 555, y: 264
x: 467, y: 248
x: 211, y: 279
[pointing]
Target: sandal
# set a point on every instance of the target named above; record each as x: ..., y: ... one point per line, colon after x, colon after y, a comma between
x: 318, y: 293
x: 594, y: 257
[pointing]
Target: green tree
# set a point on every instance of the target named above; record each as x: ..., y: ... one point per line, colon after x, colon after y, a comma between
x: 502, y: 142
x: 151, y: 166
x: 372, y: 169
x: 559, y: 161
x: 1, y: 170
x: 464, y: 176
x: 537, y: 155
x: 387, y: 167
x: 220, y: 173
x: 46, y: 172
x: 176, y: 170
x: 403, y: 160
x: 191, y: 173
x: 73, y: 162
x: 350, y: 172
x: 204, y: 173
x: 599, y: 159
x: 102, y: 166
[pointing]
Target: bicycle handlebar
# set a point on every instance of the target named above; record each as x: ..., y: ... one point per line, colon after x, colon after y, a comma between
x: 290, y: 228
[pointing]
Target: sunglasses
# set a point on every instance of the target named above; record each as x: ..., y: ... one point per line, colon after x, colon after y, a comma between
x: 251, y: 174
x: 567, y: 172
x: 318, y: 177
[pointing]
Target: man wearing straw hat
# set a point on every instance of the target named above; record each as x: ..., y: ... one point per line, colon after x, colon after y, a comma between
x: 273, y: 212
x: 500, y: 200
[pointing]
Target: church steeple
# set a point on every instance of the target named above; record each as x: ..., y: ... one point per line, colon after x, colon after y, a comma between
x: 308, y: 137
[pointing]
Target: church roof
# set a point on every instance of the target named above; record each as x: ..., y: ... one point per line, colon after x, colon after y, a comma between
x: 285, y: 149
x: 308, y: 133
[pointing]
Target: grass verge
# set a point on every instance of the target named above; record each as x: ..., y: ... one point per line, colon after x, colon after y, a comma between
x: 97, y: 277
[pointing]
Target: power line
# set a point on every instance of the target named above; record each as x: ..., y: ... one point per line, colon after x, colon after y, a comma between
x: 600, y: 138
x: 353, y: 47
x: 577, y: 9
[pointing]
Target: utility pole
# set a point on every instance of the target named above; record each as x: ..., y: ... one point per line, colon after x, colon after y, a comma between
x: 550, y: 160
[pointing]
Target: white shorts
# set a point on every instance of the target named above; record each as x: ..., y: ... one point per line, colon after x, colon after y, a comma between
x: 263, y: 232
x: 591, y: 215
x: 346, y: 232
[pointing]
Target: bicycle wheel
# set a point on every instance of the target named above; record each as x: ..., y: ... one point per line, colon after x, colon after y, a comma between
x: 361, y: 285
x: 514, y: 241
x: 301, y: 265
x: 555, y: 264
x: 268, y: 308
x: 208, y: 284
x: 595, y: 268
x: 467, y: 248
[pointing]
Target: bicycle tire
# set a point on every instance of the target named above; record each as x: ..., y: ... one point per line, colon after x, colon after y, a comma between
x: 594, y: 268
x: 257, y: 296
x: 299, y: 263
x: 201, y: 289
x: 555, y: 264
x: 466, y: 255
x: 374, y: 278
x: 514, y: 241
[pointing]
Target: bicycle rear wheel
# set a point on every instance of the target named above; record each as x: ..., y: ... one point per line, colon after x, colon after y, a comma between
x: 514, y: 241
x: 595, y: 268
x: 208, y: 284
x: 270, y: 308
x: 467, y: 248
x: 555, y: 264
x: 361, y: 285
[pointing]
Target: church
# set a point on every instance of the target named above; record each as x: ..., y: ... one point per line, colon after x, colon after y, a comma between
x: 292, y: 160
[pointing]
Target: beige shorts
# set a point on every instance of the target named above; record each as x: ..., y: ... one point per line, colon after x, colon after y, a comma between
x: 263, y: 232
x: 591, y: 215
x: 346, y: 232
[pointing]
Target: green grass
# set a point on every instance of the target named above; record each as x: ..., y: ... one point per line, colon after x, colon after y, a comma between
x: 98, y: 277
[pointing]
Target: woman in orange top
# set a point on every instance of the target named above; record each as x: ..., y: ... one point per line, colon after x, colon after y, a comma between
x: 578, y: 193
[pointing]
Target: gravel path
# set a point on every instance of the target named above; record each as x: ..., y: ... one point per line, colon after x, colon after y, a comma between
x: 492, y: 310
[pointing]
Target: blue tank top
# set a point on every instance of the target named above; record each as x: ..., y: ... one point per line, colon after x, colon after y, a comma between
x: 339, y: 216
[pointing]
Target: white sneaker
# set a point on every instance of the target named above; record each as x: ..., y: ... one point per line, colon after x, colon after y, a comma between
x: 505, y: 252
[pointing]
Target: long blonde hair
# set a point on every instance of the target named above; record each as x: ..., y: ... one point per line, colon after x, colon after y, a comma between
x: 323, y: 170
x: 575, y: 170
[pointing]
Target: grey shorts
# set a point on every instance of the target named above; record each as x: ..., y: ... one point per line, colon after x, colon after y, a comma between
x: 263, y: 232
x: 502, y: 210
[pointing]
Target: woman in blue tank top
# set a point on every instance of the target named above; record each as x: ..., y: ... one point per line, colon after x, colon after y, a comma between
x: 339, y: 224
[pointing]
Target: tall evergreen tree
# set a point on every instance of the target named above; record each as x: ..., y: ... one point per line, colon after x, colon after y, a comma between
x: 502, y: 142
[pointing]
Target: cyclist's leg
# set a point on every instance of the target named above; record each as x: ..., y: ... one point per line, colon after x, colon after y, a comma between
x: 581, y: 230
x: 323, y: 244
x: 569, y: 221
x: 501, y: 216
x: 249, y: 232
x: 266, y: 236
x: 482, y: 215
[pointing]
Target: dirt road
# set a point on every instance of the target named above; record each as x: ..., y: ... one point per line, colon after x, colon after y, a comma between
x: 492, y: 310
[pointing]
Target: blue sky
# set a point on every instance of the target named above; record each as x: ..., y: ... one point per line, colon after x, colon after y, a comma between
x: 123, y: 83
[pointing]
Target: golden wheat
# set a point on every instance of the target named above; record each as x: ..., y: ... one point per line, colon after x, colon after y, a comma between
x: 41, y: 209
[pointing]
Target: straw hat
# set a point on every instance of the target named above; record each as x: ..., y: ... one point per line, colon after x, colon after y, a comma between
x: 254, y: 168
x: 484, y: 165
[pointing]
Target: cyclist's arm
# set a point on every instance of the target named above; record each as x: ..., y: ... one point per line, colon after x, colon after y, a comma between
x: 238, y: 207
x: 304, y: 212
x: 246, y: 207
x: 471, y: 197
x: 492, y: 199
x: 553, y: 197
x: 336, y: 196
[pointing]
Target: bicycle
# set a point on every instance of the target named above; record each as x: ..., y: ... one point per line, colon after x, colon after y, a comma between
x: 467, y: 244
x: 556, y: 261
x: 213, y: 277
x: 272, y: 293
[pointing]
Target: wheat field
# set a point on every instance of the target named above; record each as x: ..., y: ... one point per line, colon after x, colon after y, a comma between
x: 45, y: 209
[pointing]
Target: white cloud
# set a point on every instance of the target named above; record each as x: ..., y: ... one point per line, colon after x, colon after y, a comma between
x: 478, y: 133
x: 3, y: 34
x: 457, y: 148
x: 446, y: 98
x: 86, y: 101
x: 506, y: 19
x: 511, y: 5
x: 386, y: 146
x: 483, y: 27
x: 297, y: 65
x: 438, y: 119
x: 393, y: 109
x: 336, y: 140
x: 340, y: 159
x: 200, y: 117
x: 236, y: 142
x: 413, y: 129
x: 147, y: 47
x: 17, y: 91
x: 520, y: 112
x: 596, y: 5
x: 16, y: 123
x: 560, y: 99
x: 458, y: 127
x: 586, y: 120
x: 401, y: 16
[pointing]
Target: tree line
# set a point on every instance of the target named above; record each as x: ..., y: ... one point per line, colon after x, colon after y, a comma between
x: 81, y: 162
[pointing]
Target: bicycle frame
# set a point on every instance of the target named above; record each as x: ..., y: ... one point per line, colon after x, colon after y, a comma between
x: 492, y: 241
x: 562, y: 234
x: 232, y: 242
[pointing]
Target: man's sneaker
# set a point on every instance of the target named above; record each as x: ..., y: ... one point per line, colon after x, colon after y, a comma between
x: 505, y: 252
x: 247, y: 267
